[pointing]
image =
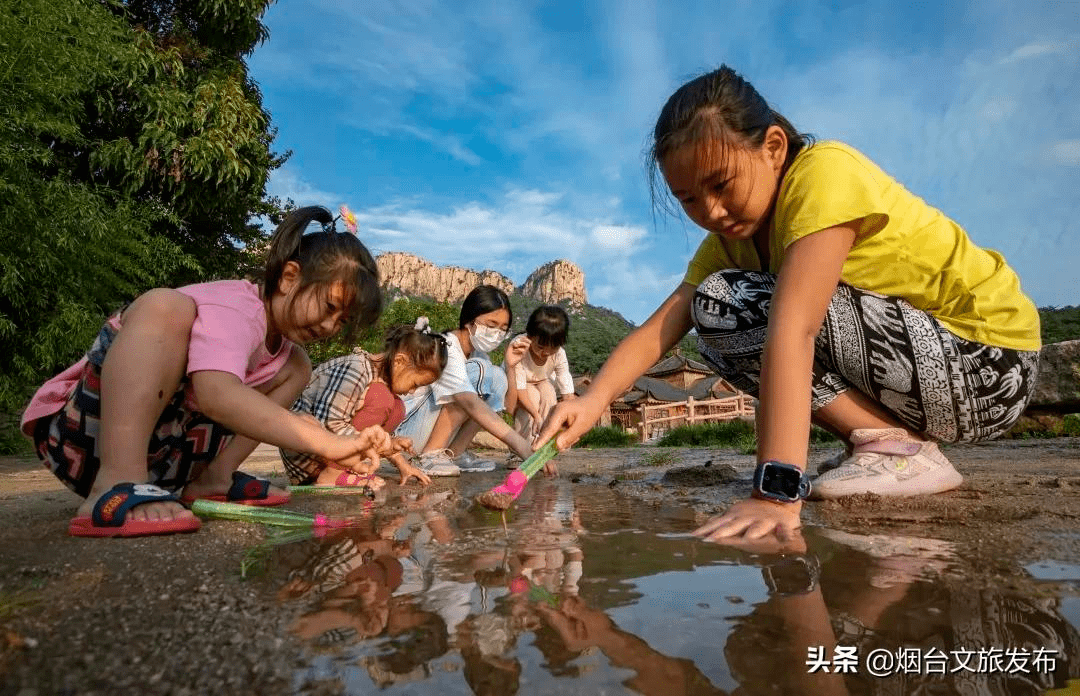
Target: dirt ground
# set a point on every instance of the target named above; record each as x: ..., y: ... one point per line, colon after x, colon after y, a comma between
x: 171, y: 615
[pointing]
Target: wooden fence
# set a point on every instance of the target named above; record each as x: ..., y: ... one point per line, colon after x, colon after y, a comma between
x: 660, y: 418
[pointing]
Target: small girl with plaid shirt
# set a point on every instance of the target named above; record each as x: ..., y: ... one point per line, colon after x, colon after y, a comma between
x: 355, y: 391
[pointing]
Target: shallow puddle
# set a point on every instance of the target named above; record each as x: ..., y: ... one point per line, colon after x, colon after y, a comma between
x: 580, y: 590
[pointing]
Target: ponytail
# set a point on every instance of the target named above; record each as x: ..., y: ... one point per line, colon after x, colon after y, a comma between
x: 325, y: 256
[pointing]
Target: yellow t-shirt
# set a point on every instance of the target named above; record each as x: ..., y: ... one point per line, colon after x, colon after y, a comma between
x: 904, y: 248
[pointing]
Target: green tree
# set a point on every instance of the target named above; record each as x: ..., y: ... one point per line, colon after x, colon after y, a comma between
x: 188, y: 128
x: 134, y: 153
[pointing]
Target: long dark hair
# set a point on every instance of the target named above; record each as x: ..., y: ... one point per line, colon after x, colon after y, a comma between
x: 325, y: 257
x: 483, y: 299
x: 721, y: 107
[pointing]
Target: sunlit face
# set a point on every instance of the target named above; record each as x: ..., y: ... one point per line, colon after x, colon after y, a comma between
x: 730, y: 194
x: 311, y: 314
x: 406, y: 376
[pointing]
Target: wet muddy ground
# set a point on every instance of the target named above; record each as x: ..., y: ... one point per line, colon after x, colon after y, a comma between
x: 589, y: 585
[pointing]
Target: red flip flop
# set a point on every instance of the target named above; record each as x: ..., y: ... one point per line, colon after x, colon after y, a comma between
x: 245, y: 490
x: 109, y: 517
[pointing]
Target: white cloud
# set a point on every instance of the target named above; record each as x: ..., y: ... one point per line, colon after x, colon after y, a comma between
x: 616, y: 237
x: 286, y: 182
x: 446, y: 142
x: 1034, y: 50
x: 520, y: 231
x: 1066, y: 152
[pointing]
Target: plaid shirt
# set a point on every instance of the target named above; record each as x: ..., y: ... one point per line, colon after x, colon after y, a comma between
x: 333, y: 396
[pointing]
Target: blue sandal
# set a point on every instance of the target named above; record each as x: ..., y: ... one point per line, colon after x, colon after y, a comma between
x: 109, y: 517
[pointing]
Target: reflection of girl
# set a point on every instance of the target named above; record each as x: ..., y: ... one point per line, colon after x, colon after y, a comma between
x: 359, y: 606
x: 443, y: 420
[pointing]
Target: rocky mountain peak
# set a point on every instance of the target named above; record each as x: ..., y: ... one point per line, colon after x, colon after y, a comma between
x: 551, y: 283
x: 556, y: 281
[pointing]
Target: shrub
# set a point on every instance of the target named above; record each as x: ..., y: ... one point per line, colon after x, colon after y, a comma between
x: 1070, y: 425
x: 724, y: 434
x: 606, y: 436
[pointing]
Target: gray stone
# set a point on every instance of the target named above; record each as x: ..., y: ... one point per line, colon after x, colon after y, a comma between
x: 1058, y: 387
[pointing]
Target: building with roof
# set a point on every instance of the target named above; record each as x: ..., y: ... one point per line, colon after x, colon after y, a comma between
x: 678, y: 382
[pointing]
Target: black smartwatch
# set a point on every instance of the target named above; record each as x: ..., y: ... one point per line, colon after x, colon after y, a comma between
x: 792, y: 575
x: 780, y: 482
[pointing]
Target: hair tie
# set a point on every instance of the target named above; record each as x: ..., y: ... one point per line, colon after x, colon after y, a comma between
x: 423, y: 325
x: 349, y: 218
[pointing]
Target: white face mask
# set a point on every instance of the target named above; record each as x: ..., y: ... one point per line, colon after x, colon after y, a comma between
x: 486, y: 338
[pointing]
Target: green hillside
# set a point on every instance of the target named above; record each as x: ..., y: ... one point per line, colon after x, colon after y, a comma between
x: 1060, y: 323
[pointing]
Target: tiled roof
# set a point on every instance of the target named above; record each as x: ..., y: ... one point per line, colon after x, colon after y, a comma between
x: 676, y: 363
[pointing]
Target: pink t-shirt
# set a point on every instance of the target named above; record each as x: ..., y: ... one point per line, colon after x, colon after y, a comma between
x: 229, y: 335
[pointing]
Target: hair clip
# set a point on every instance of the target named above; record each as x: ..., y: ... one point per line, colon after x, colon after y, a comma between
x: 423, y: 325
x: 349, y: 218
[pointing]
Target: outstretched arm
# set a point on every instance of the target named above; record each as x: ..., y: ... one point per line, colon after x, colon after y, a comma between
x: 225, y: 399
x: 807, y: 281
x: 490, y: 421
x: 631, y: 358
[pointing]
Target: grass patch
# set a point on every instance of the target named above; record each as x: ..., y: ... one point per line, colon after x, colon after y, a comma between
x: 660, y: 459
x: 13, y: 601
x: 606, y: 436
x: 746, y: 443
x: 726, y: 434
x: 739, y: 435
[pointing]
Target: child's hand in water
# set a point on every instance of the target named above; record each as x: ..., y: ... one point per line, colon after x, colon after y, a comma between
x: 408, y: 471
x: 753, y: 524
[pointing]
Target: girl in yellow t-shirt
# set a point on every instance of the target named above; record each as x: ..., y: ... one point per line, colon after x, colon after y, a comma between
x: 834, y: 295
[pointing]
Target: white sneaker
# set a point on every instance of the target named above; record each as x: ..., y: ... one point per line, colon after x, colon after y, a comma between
x: 889, y: 462
x: 437, y: 463
x: 470, y: 463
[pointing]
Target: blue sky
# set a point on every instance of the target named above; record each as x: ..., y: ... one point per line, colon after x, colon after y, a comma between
x: 505, y: 134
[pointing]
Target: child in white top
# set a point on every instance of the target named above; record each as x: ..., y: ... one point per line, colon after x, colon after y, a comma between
x: 542, y: 376
x: 443, y: 419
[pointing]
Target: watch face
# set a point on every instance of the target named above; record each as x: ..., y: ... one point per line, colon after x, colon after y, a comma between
x: 781, y: 480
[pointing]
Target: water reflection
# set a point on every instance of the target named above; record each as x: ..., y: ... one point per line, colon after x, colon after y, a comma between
x: 582, y: 590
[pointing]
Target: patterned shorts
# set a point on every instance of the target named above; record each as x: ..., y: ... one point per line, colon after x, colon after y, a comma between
x: 934, y: 382
x: 183, y: 441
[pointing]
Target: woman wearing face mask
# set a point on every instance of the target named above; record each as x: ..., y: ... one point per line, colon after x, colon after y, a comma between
x: 443, y: 419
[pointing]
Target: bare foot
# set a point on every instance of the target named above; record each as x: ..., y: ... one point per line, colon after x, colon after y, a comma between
x: 148, y: 512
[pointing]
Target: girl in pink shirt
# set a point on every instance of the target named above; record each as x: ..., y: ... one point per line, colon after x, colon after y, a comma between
x: 181, y: 385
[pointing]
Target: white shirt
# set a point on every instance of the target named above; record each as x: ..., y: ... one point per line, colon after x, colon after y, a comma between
x: 454, y: 379
x: 555, y: 368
